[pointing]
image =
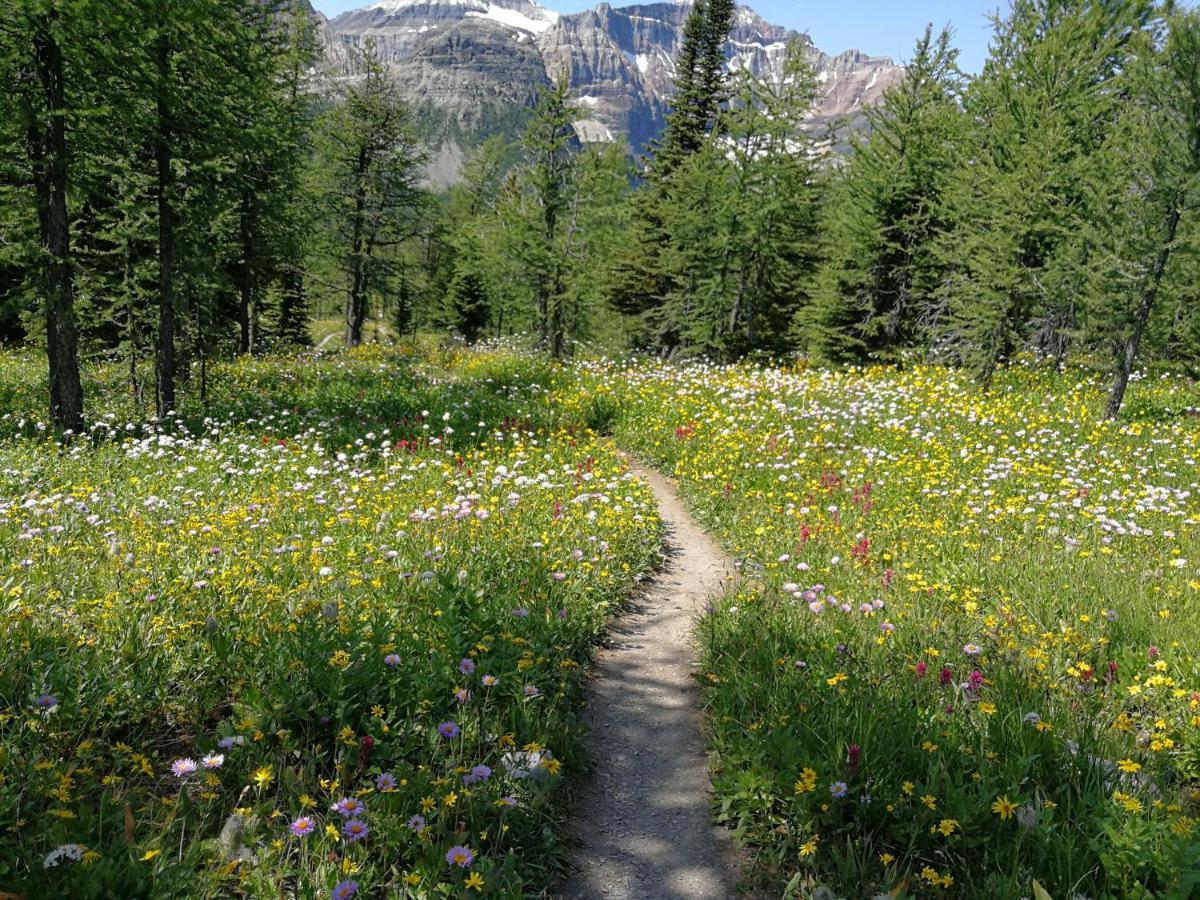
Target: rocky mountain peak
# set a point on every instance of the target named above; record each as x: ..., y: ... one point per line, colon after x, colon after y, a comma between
x: 471, y: 57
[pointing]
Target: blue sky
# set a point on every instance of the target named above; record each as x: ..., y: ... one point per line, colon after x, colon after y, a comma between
x: 878, y: 27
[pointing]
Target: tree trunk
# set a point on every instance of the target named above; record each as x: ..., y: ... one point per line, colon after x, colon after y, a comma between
x: 49, y: 151
x: 165, y: 348
x: 247, y: 288
x: 293, y: 315
x: 1149, y: 294
x: 355, y: 303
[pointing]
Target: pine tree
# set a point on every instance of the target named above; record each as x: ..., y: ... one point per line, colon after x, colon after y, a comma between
x: 880, y: 271
x: 1161, y: 191
x: 368, y: 166
x: 35, y: 45
x: 700, y: 94
x: 1049, y: 95
x: 549, y: 144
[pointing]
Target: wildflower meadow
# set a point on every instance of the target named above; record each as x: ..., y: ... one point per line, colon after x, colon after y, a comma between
x: 962, y: 659
x: 324, y: 635
x: 247, y: 655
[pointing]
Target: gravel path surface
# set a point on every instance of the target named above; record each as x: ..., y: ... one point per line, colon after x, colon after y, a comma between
x: 643, y: 824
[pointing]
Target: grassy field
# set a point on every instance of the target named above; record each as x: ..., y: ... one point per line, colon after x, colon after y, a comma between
x: 965, y: 657
x: 328, y: 630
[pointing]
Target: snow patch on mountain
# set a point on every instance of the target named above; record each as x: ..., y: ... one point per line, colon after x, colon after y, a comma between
x: 513, y: 19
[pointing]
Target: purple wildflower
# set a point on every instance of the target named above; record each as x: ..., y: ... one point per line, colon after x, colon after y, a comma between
x: 303, y: 826
x: 477, y: 774
x: 460, y: 856
x: 449, y: 730
x: 355, y: 830
x: 344, y: 890
x: 349, y: 807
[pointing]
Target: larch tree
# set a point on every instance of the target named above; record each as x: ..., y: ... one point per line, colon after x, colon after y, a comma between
x: 368, y: 166
x: 36, y: 43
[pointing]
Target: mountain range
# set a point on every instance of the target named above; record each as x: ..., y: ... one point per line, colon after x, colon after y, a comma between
x: 476, y: 61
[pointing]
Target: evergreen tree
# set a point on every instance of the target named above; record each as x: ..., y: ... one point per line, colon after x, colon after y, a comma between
x: 35, y: 44
x: 700, y: 92
x: 549, y: 174
x: 740, y: 220
x: 368, y: 165
x: 880, y: 271
x: 1040, y: 114
x: 1137, y: 242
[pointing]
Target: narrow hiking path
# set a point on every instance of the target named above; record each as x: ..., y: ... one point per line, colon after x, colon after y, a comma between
x: 643, y: 824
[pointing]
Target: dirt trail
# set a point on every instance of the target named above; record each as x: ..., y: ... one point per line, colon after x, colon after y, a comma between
x: 643, y: 823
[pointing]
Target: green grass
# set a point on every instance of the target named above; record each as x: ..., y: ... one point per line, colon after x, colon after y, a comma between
x: 893, y: 526
x: 291, y: 580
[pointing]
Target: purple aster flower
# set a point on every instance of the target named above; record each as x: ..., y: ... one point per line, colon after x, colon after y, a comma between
x: 213, y: 761
x: 972, y: 649
x: 385, y: 782
x: 531, y: 691
x: 460, y: 856
x: 449, y: 730
x: 228, y: 743
x: 507, y: 801
x: 521, y: 612
x: 838, y: 789
x: 462, y: 695
x: 489, y: 681
x: 477, y: 774
x: 355, y: 830
x: 467, y: 666
x: 45, y: 701
x: 344, y: 890
x: 303, y: 826
x: 348, y: 808
x: 182, y: 768
x: 392, y: 660
x: 417, y: 824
